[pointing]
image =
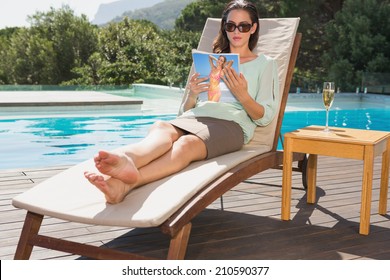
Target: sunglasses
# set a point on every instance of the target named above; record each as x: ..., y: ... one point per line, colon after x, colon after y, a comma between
x: 242, y: 27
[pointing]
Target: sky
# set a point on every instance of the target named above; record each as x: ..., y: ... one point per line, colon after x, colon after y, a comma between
x: 14, y: 12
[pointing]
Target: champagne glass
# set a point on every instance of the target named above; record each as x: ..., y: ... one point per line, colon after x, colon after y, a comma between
x: 327, y: 98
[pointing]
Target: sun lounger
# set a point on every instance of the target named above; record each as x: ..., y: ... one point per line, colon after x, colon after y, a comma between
x: 170, y: 203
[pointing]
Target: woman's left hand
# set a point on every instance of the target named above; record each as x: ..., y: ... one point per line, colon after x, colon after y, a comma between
x: 236, y: 83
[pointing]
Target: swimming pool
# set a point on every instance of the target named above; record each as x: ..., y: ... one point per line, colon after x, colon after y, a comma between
x: 40, y: 141
x: 36, y: 142
x: 349, y: 110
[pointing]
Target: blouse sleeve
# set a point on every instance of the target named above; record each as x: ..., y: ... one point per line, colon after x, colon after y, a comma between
x: 268, y: 93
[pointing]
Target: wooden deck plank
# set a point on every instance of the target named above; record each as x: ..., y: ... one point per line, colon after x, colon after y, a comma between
x: 248, y: 228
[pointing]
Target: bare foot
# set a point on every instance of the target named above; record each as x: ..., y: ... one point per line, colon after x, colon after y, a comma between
x: 113, y: 189
x: 118, y: 166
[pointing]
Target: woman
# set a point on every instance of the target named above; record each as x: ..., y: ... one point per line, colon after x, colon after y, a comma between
x: 214, y: 93
x: 200, y: 132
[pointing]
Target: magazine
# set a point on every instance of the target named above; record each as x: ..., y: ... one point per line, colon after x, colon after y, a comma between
x: 210, y: 65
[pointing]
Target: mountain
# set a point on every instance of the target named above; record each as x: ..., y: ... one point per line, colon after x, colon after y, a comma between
x: 163, y: 14
x: 107, y: 12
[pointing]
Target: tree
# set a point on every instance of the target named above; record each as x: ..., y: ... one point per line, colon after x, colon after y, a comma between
x: 314, y: 16
x: 194, y: 15
x: 5, y: 65
x: 137, y: 51
x: 73, y: 38
x: 88, y: 73
x: 60, y: 48
x: 33, y: 59
x: 46, y: 53
x: 6, y: 62
x: 359, y: 42
x: 131, y: 50
x: 179, y: 59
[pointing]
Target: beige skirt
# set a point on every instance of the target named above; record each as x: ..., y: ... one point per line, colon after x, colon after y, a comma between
x: 220, y: 136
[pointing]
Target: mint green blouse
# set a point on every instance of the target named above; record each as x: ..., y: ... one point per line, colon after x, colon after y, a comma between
x: 263, y: 86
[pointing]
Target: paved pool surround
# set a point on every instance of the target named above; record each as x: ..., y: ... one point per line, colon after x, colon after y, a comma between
x: 141, y: 98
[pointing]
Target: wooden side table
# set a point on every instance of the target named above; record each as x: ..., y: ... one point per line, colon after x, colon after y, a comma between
x: 340, y: 142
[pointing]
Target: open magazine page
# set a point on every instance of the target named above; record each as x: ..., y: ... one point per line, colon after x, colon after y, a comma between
x: 211, y: 65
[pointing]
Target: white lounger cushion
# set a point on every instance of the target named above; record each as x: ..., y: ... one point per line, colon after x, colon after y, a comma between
x: 70, y: 196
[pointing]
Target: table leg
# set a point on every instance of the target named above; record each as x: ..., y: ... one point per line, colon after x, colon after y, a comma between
x: 286, y: 183
x: 384, y: 180
x: 365, y: 208
x: 311, y: 178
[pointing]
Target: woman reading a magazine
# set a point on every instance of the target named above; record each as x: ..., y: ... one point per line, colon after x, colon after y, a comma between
x: 204, y: 129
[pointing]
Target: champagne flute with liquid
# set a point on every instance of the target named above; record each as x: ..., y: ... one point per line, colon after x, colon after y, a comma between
x: 327, y: 98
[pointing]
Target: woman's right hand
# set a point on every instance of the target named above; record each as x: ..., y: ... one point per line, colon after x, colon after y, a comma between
x: 197, y: 85
x: 194, y: 88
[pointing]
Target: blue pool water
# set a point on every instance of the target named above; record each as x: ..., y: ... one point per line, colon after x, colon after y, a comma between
x: 363, y: 118
x: 38, y: 142
x: 42, y: 141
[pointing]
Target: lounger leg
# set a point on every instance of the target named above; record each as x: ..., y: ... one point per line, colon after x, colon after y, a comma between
x: 178, y: 245
x: 31, y: 226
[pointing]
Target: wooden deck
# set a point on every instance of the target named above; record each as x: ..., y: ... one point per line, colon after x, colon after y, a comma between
x: 248, y: 228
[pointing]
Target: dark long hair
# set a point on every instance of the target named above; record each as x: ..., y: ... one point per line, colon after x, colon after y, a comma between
x: 221, y: 43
